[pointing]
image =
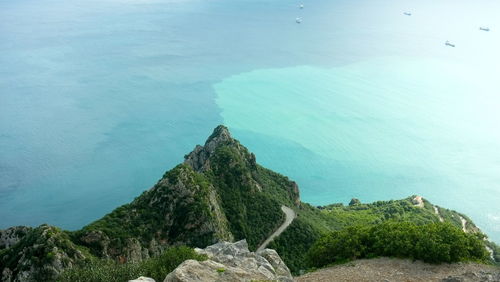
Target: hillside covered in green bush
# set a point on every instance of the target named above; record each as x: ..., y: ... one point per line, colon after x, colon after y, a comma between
x: 432, y: 242
x: 220, y: 193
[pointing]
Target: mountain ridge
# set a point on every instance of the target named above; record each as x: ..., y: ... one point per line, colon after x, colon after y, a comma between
x: 219, y: 193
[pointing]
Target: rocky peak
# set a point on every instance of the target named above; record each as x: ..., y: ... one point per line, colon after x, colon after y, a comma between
x: 354, y: 202
x: 199, y: 158
x: 219, y: 135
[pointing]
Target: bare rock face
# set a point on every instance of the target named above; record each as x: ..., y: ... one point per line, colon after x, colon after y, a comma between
x: 232, y: 262
x: 274, y: 259
x: 418, y: 201
x: 142, y: 279
x: 10, y: 236
x: 198, y: 159
x: 354, y: 202
x: 40, y: 255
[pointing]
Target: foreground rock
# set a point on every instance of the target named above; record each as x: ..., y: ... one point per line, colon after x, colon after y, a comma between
x: 394, y: 270
x: 232, y: 262
x: 143, y: 279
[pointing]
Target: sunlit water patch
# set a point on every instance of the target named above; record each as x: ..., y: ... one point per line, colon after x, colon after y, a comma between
x: 379, y: 129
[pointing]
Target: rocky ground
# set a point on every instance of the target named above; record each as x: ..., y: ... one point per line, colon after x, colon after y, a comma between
x: 232, y: 262
x: 387, y: 269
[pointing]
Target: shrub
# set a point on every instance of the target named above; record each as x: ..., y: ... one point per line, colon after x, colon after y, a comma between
x: 109, y: 271
x: 433, y: 243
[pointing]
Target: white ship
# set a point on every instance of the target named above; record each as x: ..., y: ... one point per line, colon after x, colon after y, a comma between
x: 447, y: 43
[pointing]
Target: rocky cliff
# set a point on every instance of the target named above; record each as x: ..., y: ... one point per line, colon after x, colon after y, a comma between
x: 38, y: 253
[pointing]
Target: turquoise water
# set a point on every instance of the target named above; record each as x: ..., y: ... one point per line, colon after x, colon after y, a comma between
x: 99, y: 98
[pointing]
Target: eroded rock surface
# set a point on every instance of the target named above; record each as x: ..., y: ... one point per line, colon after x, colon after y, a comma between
x: 232, y: 262
x: 10, y: 236
x: 143, y: 279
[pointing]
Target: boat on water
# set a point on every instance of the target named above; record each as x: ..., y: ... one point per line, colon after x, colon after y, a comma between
x: 447, y: 43
x: 407, y: 13
x: 301, y: 6
x: 298, y: 20
x: 484, y: 28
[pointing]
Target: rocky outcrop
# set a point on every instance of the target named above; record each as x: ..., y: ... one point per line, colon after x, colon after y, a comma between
x: 40, y: 255
x: 143, y: 279
x: 418, y: 201
x: 182, y: 208
x: 10, y: 236
x: 354, y: 202
x: 199, y: 158
x: 463, y: 221
x: 436, y: 211
x: 205, y: 158
x: 232, y: 262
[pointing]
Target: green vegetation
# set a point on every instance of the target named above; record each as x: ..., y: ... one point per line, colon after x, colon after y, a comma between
x: 496, y: 251
x: 39, y: 248
x: 144, y: 218
x: 110, y: 271
x: 433, y: 243
x: 313, y: 222
x: 338, y: 216
x: 221, y: 193
x: 252, y: 213
x: 293, y: 244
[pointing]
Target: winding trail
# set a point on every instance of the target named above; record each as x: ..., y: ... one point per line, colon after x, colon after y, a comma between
x: 289, y: 216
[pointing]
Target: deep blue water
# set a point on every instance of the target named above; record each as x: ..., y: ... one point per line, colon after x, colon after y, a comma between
x: 99, y: 98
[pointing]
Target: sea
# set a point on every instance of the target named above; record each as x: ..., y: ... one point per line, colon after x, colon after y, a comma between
x: 99, y: 98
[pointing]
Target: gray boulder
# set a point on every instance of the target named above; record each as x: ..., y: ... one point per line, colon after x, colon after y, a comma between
x: 10, y: 236
x: 232, y: 262
x: 142, y: 279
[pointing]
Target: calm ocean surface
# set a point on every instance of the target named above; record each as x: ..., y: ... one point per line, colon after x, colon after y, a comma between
x: 99, y: 98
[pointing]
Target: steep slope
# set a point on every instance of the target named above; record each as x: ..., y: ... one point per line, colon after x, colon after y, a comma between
x: 39, y: 254
x: 182, y: 208
x: 251, y: 195
x: 219, y: 193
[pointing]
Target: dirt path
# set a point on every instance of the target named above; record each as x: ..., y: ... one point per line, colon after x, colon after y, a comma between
x: 395, y: 270
x: 289, y: 216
